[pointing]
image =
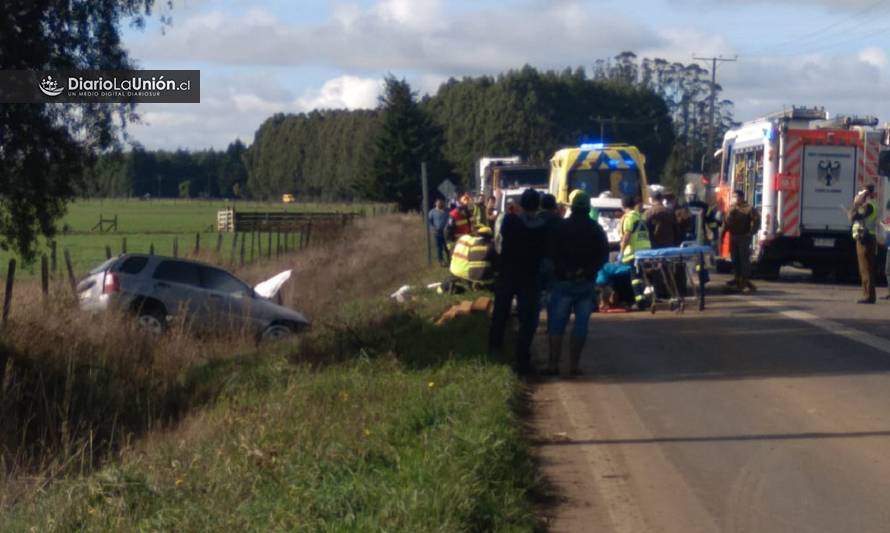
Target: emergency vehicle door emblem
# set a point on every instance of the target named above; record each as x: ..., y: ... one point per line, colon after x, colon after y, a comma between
x: 828, y: 171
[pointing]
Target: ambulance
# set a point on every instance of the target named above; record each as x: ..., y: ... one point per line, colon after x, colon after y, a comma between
x: 606, y: 172
x: 616, y: 169
x: 801, y: 169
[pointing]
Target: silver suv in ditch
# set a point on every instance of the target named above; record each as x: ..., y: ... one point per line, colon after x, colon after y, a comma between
x: 157, y: 290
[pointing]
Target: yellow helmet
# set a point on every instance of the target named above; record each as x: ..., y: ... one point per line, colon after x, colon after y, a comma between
x: 579, y: 199
x: 483, y: 231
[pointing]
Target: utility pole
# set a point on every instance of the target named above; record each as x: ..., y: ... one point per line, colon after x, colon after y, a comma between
x: 711, y: 132
x: 424, y: 212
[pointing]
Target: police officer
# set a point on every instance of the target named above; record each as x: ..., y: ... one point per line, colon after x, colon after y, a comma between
x: 864, y: 216
x: 741, y: 223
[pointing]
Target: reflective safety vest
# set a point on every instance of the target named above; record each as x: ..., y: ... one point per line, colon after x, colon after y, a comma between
x: 639, y: 235
x: 470, y: 260
x: 461, y: 223
x: 867, y: 225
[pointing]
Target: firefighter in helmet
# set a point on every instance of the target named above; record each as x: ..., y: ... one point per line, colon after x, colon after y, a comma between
x: 472, y: 259
x: 461, y: 222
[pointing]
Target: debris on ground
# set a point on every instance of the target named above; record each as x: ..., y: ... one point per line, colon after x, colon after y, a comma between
x: 482, y: 304
x: 270, y: 288
x: 401, y: 294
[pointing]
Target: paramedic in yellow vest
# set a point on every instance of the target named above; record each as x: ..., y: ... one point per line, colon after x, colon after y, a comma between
x: 472, y: 257
x: 634, y: 237
x: 634, y: 233
x: 864, y: 216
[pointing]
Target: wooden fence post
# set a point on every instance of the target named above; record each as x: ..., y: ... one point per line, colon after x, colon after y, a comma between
x: 175, y: 246
x: 52, y: 256
x: 234, y: 247
x: 151, y: 249
x: 252, y: 245
x: 278, y: 245
x: 308, y: 233
x: 7, y: 296
x: 242, y: 251
x: 107, y: 252
x: 123, y: 245
x: 44, y: 277
x: 269, y: 248
x: 286, y: 238
x: 7, y: 301
x: 197, y: 242
x: 219, y: 242
x: 70, y: 269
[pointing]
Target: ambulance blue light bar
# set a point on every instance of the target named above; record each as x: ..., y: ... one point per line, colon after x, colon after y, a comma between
x: 593, y: 146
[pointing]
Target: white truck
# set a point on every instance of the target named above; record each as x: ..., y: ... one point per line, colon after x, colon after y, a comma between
x: 801, y: 169
x: 485, y: 167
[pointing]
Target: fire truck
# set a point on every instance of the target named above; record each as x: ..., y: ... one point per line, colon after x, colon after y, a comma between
x: 801, y: 169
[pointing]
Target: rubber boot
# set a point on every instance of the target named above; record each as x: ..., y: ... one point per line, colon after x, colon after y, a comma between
x: 555, y: 355
x: 576, y: 346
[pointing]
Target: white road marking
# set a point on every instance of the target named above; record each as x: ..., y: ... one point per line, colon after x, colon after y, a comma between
x: 836, y: 328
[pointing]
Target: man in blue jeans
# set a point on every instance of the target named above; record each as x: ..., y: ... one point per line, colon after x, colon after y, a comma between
x: 579, y: 248
x: 438, y: 219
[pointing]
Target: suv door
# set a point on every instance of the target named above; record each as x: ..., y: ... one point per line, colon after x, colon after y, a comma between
x: 177, y: 284
x: 230, y: 299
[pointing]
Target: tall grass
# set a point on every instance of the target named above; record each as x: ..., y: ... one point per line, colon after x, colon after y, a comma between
x: 77, y: 386
x: 376, y: 421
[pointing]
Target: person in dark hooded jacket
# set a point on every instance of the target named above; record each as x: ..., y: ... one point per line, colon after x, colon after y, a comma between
x: 579, y: 249
x: 523, y: 245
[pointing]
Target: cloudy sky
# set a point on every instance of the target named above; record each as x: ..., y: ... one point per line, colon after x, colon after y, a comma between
x: 263, y: 57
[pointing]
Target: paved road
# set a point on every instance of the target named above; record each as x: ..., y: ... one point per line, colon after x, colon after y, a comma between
x: 764, y: 413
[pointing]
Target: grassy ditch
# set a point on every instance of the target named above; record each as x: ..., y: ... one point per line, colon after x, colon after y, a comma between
x: 420, y: 439
x: 377, y: 420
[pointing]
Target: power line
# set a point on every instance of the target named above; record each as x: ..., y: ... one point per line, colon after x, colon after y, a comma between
x: 829, y: 45
x: 821, y: 32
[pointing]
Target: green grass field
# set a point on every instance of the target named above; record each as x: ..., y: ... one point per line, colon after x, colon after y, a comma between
x: 153, y: 222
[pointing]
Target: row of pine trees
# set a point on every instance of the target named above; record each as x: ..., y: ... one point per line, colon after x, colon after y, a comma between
x: 659, y: 106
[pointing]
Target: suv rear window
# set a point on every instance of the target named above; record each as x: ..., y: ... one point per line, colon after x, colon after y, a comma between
x: 179, y: 272
x: 104, y: 266
x: 217, y: 280
x: 133, y: 265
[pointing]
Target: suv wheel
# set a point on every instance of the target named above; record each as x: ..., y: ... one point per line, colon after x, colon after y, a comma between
x: 151, y: 320
x: 277, y: 332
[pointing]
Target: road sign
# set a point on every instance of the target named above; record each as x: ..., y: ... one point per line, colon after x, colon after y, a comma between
x: 447, y: 189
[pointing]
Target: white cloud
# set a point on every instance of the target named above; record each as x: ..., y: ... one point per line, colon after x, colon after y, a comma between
x: 682, y: 44
x: 417, y: 14
x: 874, y: 56
x: 406, y: 34
x: 428, y: 42
x: 167, y: 119
x: 345, y: 92
x: 232, y: 108
x: 844, y: 84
